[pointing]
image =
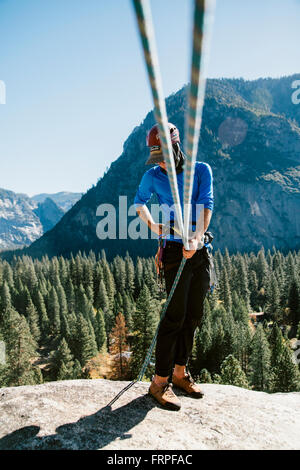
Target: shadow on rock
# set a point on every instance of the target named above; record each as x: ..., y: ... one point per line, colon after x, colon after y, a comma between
x: 90, y: 432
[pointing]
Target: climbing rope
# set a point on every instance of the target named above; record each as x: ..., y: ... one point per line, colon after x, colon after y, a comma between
x: 193, y: 123
x: 151, y: 347
x: 203, y: 20
x: 145, y: 25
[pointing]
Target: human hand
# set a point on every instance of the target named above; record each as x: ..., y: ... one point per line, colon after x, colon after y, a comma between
x: 158, y: 228
x: 193, y: 245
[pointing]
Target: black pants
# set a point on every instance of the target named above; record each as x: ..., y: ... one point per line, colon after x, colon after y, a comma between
x: 184, y: 313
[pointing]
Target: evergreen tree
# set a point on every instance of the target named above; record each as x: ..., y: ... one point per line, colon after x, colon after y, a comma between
x: 102, y: 300
x: 276, y: 342
x: 103, y: 303
x: 145, y: 320
x: 63, y: 271
x: 33, y: 321
x: 109, y: 283
x: 260, y: 361
x: 119, y: 270
x: 43, y: 316
x: 62, y: 300
x: 242, y: 345
x: 86, y: 346
x: 205, y: 377
x: 70, y: 295
x: 227, y: 263
x: 138, y: 275
x: 7, y: 275
x: 63, y: 362
x: 129, y: 268
x: 30, y: 277
x: 232, y: 373
x: 225, y: 292
x: 240, y: 310
x: 63, y: 373
x: 20, y: 350
x: 77, y: 370
x: 54, y: 312
x: 88, y: 280
x: 100, y: 332
x: 290, y: 268
x: 286, y: 373
x: 5, y: 300
x: 128, y: 310
x: 253, y: 288
x: 272, y: 308
x: 262, y: 269
x: 216, y: 379
x: 216, y: 353
x: 241, y: 283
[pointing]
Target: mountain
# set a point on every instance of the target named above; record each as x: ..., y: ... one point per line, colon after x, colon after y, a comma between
x: 72, y: 414
x: 23, y: 220
x: 251, y: 138
x: 64, y: 199
x: 48, y: 213
x: 19, y: 225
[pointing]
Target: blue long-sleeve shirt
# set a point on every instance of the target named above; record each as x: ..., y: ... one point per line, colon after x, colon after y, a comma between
x: 156, y: 181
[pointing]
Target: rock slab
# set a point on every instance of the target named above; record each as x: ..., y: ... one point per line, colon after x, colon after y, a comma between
x: 73, y: 415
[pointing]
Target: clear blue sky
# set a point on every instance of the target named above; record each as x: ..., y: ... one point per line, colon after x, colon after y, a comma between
x: 76, y: 82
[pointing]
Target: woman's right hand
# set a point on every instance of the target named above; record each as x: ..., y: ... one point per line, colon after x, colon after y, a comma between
x: 158, y: 228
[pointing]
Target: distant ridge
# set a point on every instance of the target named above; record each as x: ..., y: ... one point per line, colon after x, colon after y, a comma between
x: 64, y: 199
x: 24, y: 219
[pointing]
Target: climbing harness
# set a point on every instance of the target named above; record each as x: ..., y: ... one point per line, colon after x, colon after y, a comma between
x: 203, y: 15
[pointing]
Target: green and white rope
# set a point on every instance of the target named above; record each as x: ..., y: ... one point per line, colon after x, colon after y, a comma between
x: 151, y: 347
x: 203, y: 21
x: 166, y: 304
x: 145, y: 26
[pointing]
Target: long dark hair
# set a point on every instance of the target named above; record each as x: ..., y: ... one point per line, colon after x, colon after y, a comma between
x: 178, y: 157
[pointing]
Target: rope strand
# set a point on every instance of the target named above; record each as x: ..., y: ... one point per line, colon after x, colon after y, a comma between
x: 151, y: 347
x: 145, y: 25
x: 203, y: 21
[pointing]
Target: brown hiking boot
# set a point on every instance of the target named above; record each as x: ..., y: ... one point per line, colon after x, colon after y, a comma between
x: 165, y: 396
x: 188, y: 385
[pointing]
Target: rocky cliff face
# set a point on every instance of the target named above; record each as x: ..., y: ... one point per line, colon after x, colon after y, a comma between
x: 48, y: 213
x: 73, y: 415
x: 19, y: 225
x: 251, y: 138
x: 23, y: 220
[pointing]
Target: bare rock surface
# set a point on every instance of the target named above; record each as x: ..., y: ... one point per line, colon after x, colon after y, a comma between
x: 73, y: 415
